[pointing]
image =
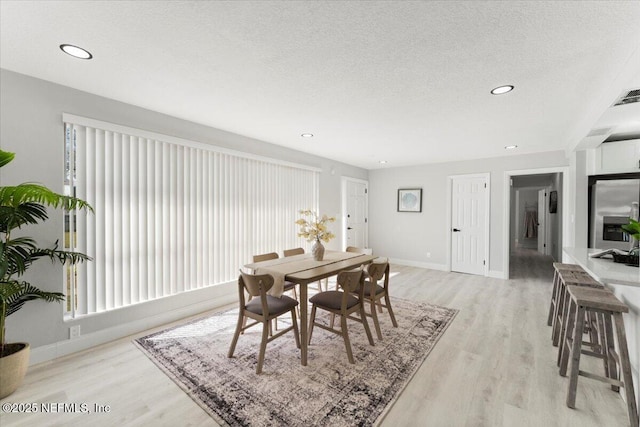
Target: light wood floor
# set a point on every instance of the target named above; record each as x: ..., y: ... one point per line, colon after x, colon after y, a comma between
x: 494, y: 366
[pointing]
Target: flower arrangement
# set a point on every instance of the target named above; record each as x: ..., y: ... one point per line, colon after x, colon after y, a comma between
x: 316, y: 227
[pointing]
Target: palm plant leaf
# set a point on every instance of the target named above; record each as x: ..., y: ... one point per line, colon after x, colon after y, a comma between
x: 37, y: 193
x: 16, y: 257
x: 16, y: 216
x: 13, y: 295
x: 5, y: 157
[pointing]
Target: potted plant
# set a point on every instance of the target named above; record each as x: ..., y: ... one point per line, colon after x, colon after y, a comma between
x: 633, y: 230
x: 20, y: 206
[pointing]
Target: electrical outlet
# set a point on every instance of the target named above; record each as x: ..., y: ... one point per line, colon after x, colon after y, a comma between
x: 428, y: 254
x: 74, y: 332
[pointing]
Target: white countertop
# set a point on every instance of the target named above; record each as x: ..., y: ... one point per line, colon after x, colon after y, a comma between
x: 604, y: 269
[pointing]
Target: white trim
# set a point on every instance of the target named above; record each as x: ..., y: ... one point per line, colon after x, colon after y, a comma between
x: 427, y: 265
x: 506, y: 237
x: 99, y: 124
x: 63, y: 348
x: 487, y: 220
x: 496, y: 274
x: 343, y: 202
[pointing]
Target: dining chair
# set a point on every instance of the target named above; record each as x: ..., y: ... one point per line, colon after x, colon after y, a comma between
x: 354, y: 249
x: 262, y: 308
x: 300, y: 251
x: 374, y: 293
x: 288, y: 286
x: 344, y: 304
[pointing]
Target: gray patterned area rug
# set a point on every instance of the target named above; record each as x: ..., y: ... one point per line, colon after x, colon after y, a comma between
x: 327, y: 392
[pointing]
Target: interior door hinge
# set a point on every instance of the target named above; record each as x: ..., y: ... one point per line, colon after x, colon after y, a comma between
x: 366, y: 191
x: 485, y: 185
x: 365, y: 220
x: 484, y: 262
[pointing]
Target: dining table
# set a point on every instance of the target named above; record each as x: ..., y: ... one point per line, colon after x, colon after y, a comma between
x: 303, y: 269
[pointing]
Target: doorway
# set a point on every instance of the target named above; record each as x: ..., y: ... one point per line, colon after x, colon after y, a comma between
x: 535, y: 201
x: 355, y: 213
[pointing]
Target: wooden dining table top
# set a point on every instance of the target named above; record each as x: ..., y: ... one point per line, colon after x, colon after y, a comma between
x: 303, y: 268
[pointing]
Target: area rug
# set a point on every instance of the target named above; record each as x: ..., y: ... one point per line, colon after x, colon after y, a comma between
x: 329, y: 391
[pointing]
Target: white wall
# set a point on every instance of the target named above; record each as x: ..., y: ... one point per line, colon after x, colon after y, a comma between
x: 408, y: 237
x: 31, y: 126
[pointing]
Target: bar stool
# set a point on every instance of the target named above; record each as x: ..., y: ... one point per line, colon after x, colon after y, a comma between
x: 608, y: 310
x: 568, y: 278
x: 558, y: 267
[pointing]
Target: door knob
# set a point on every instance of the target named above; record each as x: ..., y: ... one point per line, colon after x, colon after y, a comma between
x: 455, y: 230
x: 349, y: 228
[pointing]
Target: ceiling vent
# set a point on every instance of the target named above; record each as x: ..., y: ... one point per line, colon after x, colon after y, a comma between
x: 629, y: 97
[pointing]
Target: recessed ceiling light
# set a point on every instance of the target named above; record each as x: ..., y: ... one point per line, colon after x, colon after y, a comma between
x: 502, y: 90
x: 383, y: 162
x: 510, y: 147
x: 307, y: 135
x: 75, y: 51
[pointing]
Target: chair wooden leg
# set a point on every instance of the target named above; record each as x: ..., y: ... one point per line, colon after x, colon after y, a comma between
x: 575, y: 357
x: 390, y: 310
x: 626, y: 369
x: 236, y: 334
x: 363, y: 316
x: 374, y: 316
x: 312, y: 321
x: 345, y: 335
x: 294, y: 322
x: 332, y: 321
x: 263, y: 345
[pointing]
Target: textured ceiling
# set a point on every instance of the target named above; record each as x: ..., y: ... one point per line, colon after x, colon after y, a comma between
x: 405, y: 82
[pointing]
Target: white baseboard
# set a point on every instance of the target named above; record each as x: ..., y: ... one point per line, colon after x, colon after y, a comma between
x: 410, y: 263
x: 63, y: 348
x: 497, y: 274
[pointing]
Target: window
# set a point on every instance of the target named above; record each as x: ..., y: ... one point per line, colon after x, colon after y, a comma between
x: 170, y: 215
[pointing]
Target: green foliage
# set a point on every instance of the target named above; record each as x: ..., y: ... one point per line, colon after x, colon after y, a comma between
x: 632, y: 229
x: 23, y: 205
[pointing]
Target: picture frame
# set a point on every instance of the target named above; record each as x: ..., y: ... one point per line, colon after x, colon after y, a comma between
x: 410, y: 200
x: 553, y: 202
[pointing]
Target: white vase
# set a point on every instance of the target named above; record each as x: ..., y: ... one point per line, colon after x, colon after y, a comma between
x: 317, y: 250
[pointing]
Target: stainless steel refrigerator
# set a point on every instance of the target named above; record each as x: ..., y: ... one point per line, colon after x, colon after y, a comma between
x: 610, y: 205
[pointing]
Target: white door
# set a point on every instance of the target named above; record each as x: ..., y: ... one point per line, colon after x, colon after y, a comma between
x: 355, y: 213
x: 542, y: 223
x: 469, y: 227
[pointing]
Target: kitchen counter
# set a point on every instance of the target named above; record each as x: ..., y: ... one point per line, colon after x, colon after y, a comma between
x: 604, y: 269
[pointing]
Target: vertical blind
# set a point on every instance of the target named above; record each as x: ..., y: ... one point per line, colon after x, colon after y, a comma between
x: 170, y: 215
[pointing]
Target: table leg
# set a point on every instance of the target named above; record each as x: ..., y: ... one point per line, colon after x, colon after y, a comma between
x: 304, y: 341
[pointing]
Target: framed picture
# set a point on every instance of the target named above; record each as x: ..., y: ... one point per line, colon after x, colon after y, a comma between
x: 410, y: 200
x: 553, y: 202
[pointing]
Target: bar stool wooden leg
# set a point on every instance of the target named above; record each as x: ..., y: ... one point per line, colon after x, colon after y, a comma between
x: 575, y: 357
x: 554, y: 299
x: 610, y: 348
x: 626, y: 369
x: 558, y: 322
x: 566, y: 327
